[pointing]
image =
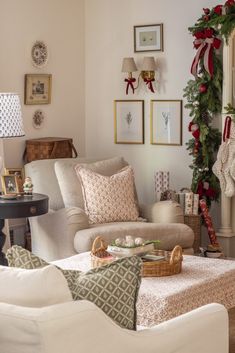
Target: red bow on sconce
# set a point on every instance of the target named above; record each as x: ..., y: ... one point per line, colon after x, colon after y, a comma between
x: 130, y: 82
x: 148, y: 82
x: 205, y: 43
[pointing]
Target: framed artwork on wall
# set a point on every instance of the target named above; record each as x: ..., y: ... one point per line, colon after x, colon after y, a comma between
x: 37, y: 89
x: 129, y: 121
x: 166, y: 122
x: 148, y: 38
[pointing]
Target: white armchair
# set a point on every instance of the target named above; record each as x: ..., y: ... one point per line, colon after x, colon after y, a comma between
x: 80, y: 326
x: 65, y: 230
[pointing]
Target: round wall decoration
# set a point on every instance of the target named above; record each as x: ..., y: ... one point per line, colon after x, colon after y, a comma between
x: 38, y: 119
x: 39, y: 54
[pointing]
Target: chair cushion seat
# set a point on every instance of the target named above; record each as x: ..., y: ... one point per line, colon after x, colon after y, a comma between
x: 169, y: 234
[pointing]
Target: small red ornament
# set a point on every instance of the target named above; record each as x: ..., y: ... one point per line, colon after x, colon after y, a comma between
x: 202, y: 88
x: 230, y: 3
x: 206, y: 18
x: 218, y: 10
x: 206, y: 11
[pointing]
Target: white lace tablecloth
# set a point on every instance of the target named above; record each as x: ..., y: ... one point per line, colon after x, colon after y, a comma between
x: 202, y: 281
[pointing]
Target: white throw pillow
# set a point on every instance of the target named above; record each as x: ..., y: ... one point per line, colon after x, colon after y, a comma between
x: 33, y: 288
x: 70, y: 185
x: 109, y: 198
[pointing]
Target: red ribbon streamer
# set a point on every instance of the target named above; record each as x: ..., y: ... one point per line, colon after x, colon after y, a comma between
x: 130, y: 82
x: 205, y: 43
x: 208, y: 221
x: 148, y: 82
x: 227, y: 128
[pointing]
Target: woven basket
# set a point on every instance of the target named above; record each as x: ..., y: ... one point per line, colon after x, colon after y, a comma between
x: 194, y: 222
x: 49, y: 148
x: 99, y: 254
x: 171, y: 265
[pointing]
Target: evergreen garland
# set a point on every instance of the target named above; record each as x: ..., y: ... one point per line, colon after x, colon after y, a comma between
x: 204, y: 97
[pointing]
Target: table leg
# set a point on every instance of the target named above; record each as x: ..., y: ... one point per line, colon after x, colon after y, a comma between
x: 3, y: 260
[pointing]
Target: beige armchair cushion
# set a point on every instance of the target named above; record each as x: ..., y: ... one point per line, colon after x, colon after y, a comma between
x: 69, y: 183
x: 33, y: 288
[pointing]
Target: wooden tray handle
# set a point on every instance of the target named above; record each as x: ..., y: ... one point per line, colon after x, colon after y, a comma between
x: 176, y: 255
x: 73, y: 149
x: 98, y: 241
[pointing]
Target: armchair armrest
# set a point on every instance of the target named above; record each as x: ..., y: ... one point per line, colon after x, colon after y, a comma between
x: 163, y: 212
x: 53, y: 233
x: 80, y: 326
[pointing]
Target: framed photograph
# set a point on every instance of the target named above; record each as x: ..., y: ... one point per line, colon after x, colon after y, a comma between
x: 19, y: 174
x: 148, y: 38
x: 37, y: 89
x: 129, y: 121
x: 9, y: 184
x: 166, y: 122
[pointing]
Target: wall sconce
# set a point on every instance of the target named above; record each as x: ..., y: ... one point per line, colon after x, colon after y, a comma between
x: 147, y: 72
x: 128, y: 65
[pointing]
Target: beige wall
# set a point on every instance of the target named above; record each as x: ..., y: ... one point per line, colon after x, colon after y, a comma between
x: 61, y: 25
x: 109, y: 38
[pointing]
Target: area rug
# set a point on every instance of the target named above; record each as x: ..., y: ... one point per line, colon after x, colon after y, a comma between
x: 232, y: 330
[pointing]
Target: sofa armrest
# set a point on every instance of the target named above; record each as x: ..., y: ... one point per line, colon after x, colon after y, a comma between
x: 163, y: 212
x: 53, y: 233
x: 82, y: 327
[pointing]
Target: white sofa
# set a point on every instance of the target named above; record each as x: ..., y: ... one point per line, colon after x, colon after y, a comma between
x: 65, y: 230
x: 80, y: 327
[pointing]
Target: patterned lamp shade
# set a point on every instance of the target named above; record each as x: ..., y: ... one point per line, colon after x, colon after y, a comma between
x: 11, y: 124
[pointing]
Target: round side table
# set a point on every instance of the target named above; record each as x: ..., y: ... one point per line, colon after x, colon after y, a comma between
x: 22, y: 207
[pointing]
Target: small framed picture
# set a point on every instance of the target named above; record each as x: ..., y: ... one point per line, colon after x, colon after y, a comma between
x: 37, y: 89
x: 19, y: 174
x: 148, y: 38
x: 129, y: 121
x: 166, y: 122
x: 9, y: 184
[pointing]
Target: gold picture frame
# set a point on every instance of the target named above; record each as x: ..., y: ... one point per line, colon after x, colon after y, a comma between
x: 37, y: 89
x: 129, y: 121
x: 19, y: 174
x: 148, y: 38
x: 9, y: 184
x: 166, y: 122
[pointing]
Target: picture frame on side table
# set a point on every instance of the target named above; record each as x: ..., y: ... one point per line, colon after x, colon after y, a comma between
x: 19, y: 174
x: 9, y: 184
x: 148, y: 38
x: 129, y: 121
x: 166, y: 122
x: 37, y: 89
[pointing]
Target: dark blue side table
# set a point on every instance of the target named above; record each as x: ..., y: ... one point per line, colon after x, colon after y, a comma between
x: 22, y: 207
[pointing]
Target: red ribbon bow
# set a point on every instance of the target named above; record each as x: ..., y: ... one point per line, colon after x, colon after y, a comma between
x: 130, y: 82
x: 205, y: 43
x: 148, y: 82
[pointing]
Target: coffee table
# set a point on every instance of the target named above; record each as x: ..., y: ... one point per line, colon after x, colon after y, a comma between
x: 202, y: 281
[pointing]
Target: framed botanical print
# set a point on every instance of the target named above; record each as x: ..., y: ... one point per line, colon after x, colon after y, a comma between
x: 129, y: 121
x: 166, y: 122
x: 37, y: 89
x: 148, y: 38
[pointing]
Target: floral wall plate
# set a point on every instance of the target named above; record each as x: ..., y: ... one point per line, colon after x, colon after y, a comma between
x: 39, y: 54
x: 38, y: 119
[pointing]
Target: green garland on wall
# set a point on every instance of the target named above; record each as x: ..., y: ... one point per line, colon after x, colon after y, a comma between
x: 204, y: 95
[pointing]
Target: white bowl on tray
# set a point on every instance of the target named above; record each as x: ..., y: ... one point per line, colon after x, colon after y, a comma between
x: 119, y: 251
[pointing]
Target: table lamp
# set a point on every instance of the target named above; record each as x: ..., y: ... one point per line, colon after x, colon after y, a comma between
x: 11, y: 125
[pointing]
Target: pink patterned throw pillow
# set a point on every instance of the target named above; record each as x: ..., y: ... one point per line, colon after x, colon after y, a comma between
x: 109, y: 198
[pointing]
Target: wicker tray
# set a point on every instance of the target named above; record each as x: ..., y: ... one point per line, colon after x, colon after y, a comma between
x: 99, y: 254
x: 172, y: 264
